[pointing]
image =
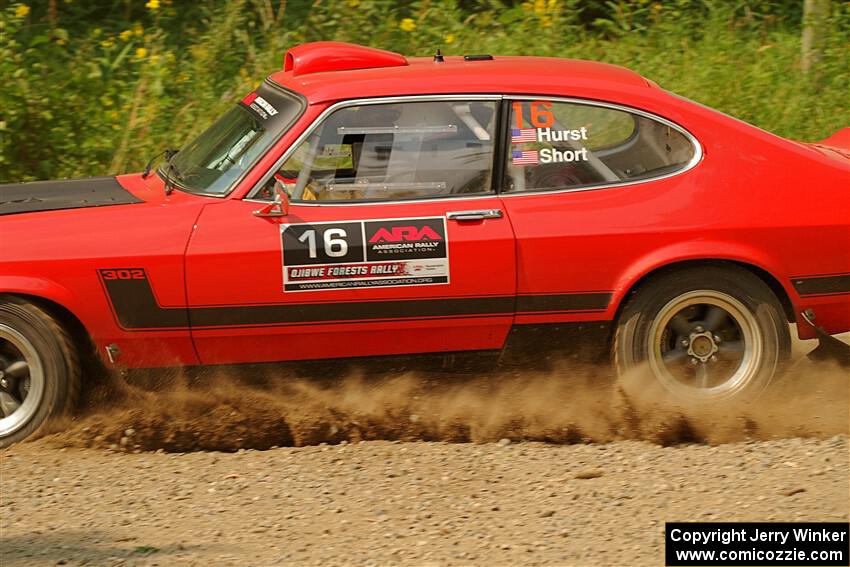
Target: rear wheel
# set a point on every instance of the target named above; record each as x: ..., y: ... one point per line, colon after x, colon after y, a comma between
x: 39, y: 370
x: 704, y: 334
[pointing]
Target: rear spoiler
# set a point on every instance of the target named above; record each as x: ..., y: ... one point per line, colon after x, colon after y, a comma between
x: 839, y: 141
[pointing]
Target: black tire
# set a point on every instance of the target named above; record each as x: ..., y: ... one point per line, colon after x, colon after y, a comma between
x: 31, y: 336
x: 663, y: 330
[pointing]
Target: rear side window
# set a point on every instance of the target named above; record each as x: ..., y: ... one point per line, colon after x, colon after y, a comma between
x: 569, y: 145
x: 388, y: 151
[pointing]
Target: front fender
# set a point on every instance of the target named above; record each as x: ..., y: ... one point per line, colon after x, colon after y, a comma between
x: 39, y: 287
x: 139, y: 350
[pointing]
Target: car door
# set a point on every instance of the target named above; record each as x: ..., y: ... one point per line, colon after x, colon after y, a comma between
x: 586, y: 187
x: 394, y: 241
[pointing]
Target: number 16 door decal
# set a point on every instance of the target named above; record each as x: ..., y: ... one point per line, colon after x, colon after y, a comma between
x: 364, y: 254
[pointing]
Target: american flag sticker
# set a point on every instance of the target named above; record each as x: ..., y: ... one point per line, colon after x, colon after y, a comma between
x: 525, y: 157
x: 520, y: 135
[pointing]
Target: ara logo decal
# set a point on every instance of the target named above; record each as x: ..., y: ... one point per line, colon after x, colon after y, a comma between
x: 405, y: 234
x: 406, y: 239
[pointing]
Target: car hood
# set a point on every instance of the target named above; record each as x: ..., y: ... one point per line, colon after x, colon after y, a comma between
x: 66, y: 194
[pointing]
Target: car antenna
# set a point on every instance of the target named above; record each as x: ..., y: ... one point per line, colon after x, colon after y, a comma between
x: 438, y: 57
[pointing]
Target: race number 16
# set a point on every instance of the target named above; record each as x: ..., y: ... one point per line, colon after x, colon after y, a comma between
x: 335, y: 244
x: 323, y: 243
x: 538, y: 115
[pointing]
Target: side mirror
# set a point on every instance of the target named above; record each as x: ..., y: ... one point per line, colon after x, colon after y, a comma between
x: 279, y: 207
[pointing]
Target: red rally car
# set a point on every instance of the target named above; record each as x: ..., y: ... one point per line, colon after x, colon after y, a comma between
x: 363, y: 203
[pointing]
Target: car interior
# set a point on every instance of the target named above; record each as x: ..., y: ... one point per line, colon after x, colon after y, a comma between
x: 402, y: 150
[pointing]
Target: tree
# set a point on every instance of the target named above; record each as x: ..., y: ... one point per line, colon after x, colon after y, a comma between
x: 815, y: 21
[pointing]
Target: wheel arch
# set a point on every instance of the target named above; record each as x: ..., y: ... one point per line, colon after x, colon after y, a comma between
x: 63, y: 315
x: 772, y: 282
x: 54, y: 300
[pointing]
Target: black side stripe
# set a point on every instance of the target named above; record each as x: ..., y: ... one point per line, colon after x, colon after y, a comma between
x: 822, y: 285
x: 136, y: 308
x: 355, y: 311
x: 592, y: 301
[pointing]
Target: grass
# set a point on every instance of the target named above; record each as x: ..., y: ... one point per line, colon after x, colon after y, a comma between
x: 89, y: 93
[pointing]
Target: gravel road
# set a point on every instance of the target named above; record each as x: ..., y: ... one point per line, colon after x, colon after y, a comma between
x: 417, y: 472
x: 394, y: 503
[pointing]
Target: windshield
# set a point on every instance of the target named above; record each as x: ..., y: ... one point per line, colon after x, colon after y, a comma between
x: 214, y: 162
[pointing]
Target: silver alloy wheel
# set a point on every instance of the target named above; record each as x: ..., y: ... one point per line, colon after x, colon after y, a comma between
x: 705, y: 344
x: 21, y: 380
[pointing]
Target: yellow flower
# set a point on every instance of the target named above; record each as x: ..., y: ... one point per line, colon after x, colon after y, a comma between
x: 126, y: 35
x: 22, y: 11
x: 138, y: 30
x: 407, y: 25
x: 450, y: 38
x: 154, y: 59
x: 152, y: 5
x: 353, y: 3
x: 539, y: 7
x: 141, y: 52
x: 107, y: 43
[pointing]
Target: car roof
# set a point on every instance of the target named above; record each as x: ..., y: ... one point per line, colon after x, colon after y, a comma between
x: 424, y: 75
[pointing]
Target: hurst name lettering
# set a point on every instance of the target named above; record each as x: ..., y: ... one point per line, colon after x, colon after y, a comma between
x: 553, y: 155
x: 550, y: 135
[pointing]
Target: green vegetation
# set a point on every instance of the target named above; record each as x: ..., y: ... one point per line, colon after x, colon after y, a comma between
x: 145, y: 549
x: 101, y: 86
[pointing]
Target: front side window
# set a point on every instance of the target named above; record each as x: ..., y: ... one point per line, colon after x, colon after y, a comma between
x: 566, y: 145
x: 387, y: 151
x: 213, y: 162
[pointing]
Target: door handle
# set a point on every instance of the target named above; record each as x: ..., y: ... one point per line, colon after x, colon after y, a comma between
x: 474, y: 214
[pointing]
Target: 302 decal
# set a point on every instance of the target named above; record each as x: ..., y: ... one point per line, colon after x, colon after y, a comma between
x: 123, y: 274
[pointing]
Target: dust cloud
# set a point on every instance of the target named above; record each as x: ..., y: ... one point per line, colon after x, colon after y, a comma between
x: 228, y: 409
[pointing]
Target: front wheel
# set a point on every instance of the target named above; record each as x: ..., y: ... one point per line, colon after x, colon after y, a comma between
x: 39, y: 370
x: 704, y: 334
